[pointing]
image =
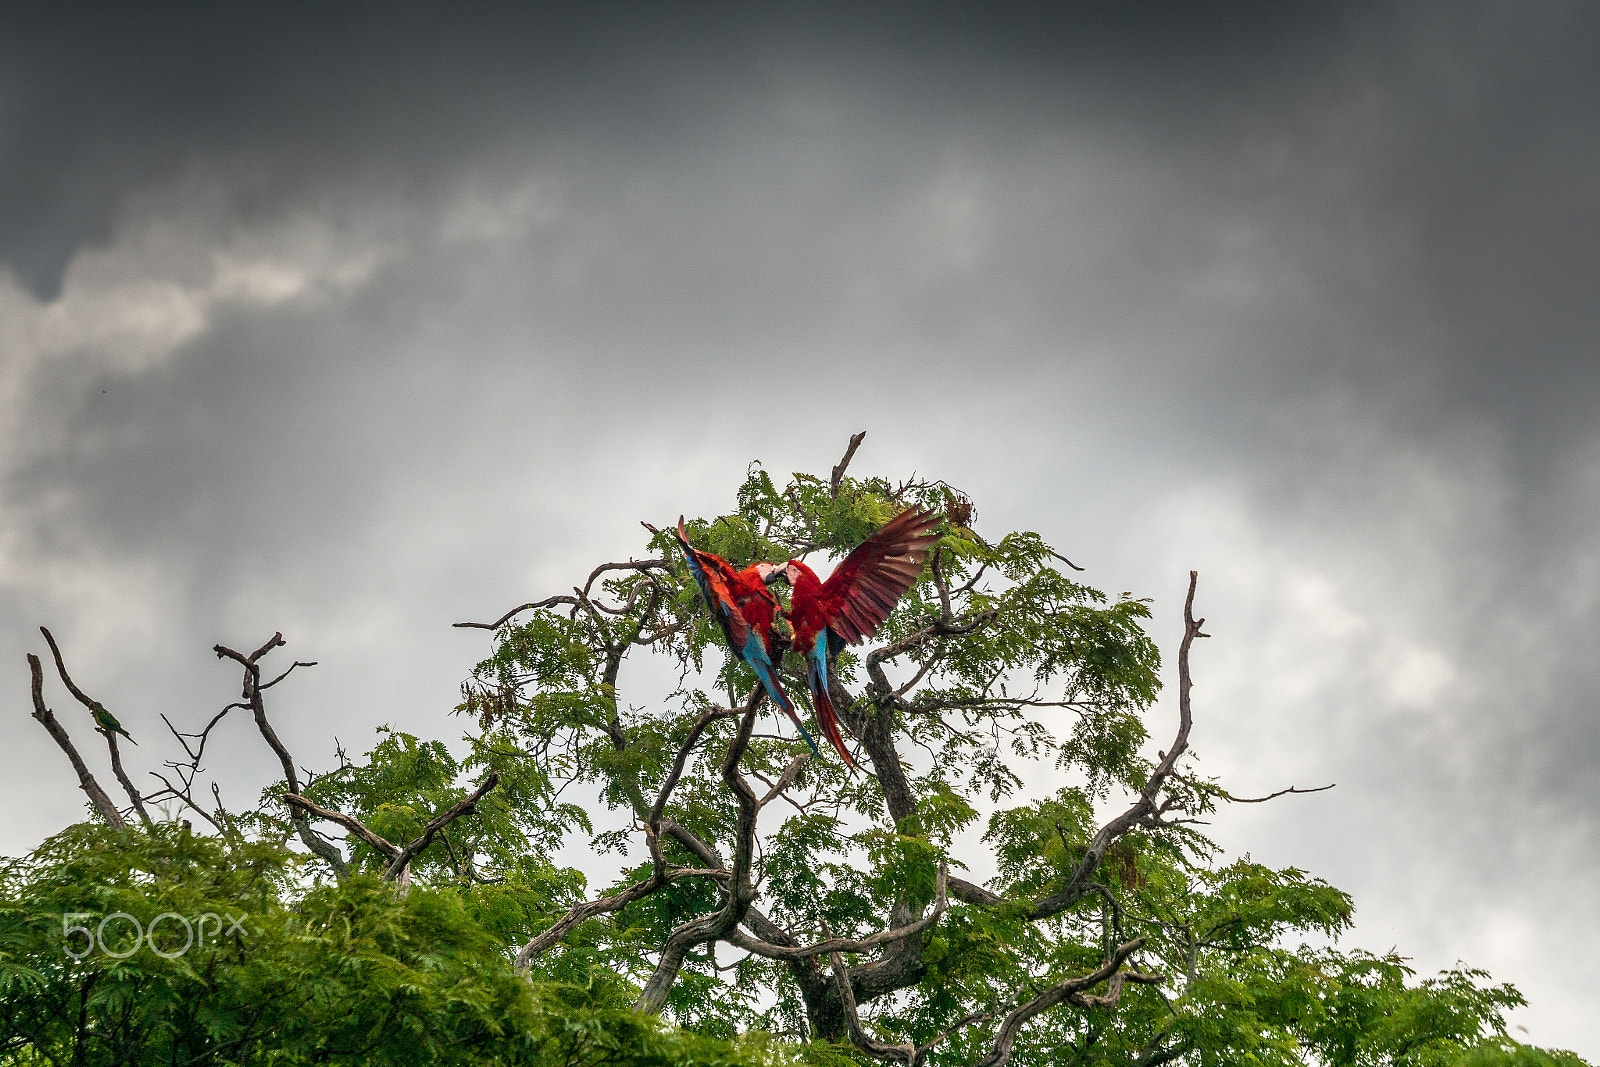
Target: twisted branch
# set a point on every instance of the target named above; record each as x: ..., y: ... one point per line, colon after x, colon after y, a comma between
x: 740, y: 892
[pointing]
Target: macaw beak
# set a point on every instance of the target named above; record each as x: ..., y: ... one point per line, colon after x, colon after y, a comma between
x: 772, y: 574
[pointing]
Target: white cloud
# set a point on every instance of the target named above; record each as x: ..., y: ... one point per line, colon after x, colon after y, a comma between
x: 481, y: 211
x: 160, y: 282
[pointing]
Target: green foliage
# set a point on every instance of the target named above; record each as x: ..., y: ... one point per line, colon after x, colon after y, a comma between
x: 348, y: 972
x: 1002, y: 695
x: 1507, y: 1053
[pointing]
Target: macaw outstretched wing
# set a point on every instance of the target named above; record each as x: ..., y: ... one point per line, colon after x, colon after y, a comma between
x: 866, y: 585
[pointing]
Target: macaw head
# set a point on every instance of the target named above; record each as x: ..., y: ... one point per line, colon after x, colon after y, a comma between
x: 793, y: 570
x: 769, y: 572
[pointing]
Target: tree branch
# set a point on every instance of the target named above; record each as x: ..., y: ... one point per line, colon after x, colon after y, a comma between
x: 399, y: 858
x: 285, y: 674
x: 785, y: 780
x: 1145, y: 811
x: 1065, y: 560
x: 1069, y: 990
x: 832, y: 995
x: 740, y: 890
x: 122, y: 776
x: 858, y: 1036
x: 579, y: 913
x: 961, y: 1024
x: 840, y: 944
x: 188, y: 772
x: 186, y: 797
x: 383, y: 846
x: 642, y: 565
x: 97, y: 796
x: 251, y: 693
x: 1217, y: 790
x: 461, y: 807
x: 111, y: 738
x: 61, y: 669
x: 559, y: 598
x: 706, y: 718
x: 839, y: 468
x: 631, y: 565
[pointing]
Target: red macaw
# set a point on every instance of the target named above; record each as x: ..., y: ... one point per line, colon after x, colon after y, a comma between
x: 744, y: 607
x: 855, y: 600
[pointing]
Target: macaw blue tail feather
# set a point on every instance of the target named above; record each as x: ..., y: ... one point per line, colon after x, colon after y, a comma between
x: 763, y: 668
x: 809, y: 743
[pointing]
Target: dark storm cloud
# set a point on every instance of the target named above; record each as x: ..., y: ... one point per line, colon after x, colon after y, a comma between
x: 353, y: 323
x: 99, y: 101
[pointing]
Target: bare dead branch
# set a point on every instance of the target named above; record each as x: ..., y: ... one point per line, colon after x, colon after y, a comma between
x: 111, y: 739
x: 61, y: 669
x: 204, y: 735
x: 272, y: 642
x: 97, y: 796
x: 275, y: 641
x: 1216, y: 790
x: 185, y: 796
x: 187, y: 772
x: 285, y: 674
x: 122, y: 776
x: 839, y: 468
x: 1065, y: 560
x: 560, y: 598
x: 222, y: 811
x: 251, y: 693
x: 785, y: 780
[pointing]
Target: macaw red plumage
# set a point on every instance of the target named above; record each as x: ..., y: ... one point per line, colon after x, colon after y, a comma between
x: 745, y: 608
x: 855, y: 600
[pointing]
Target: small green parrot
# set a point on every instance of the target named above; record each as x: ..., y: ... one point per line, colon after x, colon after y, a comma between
x: 108, y: 722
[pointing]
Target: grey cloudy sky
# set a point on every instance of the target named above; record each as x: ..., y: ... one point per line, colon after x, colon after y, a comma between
x: 353, y: 323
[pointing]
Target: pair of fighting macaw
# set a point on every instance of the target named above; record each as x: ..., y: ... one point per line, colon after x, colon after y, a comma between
x: 824, y: 616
